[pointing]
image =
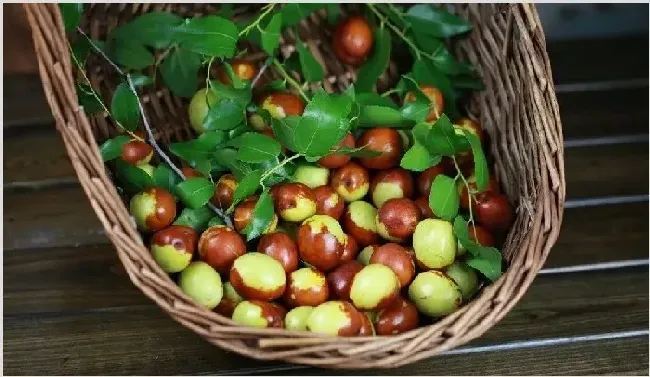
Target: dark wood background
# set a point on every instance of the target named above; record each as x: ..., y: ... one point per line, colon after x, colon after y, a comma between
x: 69, y: 307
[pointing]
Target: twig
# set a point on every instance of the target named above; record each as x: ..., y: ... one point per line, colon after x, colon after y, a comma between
x: 289, y: 79
x: 259, y: 74
x: 278, y: 166
x: 396, y: 30
x: 257, y: 21
x: 469, y: 193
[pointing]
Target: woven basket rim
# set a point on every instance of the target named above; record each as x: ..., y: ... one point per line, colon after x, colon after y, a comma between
x: 306, y: 348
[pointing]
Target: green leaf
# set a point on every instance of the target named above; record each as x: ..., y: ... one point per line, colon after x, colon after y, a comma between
x: 275, y: 85
x: 377, y: 64
x: 195, y: 192
x: 225, y: 157
x: 442, y: 138
x: 124, y: 107
x: 440, y: 55
x: 216, y: 220
x: 209, y: 35
x: 333, y: 11
x: 271, y: 34
x: 293, y: 13
x: 242, y: 96
x: 416, y: 111
x: 132, y: 178
x: 436, y: 21
x: 408, y: 84
x: 112, y: 148
x: 256, y: 147
x: 81, y: 49
x: 195, y: 218
x: 280, y: 174
x: 374, y: 116
x: 443, y: 198
x: 425, y: 73
x: 311, y: 69
x: 71, y: 13
x: 359, y: 152
x: 199, y: 153
x: 154, y: 29
x: 284, y: 130
x: 323, y: 123
x: 130, y: 54
x: 487, y: 260
x: 234, y: 79
x: 420, y: 132
x: 481, y: 170
x: 247, y: 186
x: 262, y: 216
x: 87, y: 100
x: 140, y: 80
x: 180, y: 72
x: 417, y: 158
x: 371, y: 98
x: 224, y: 115
x: 165, y: 177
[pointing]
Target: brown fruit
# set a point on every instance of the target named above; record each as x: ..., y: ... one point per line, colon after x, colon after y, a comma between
x: 397, y: 259
x: 257, y: 276
x: 350, y: 250
x: 353, y: 39
x: 321, y: 242
x: 367, y: 329
x: 328, y: 202
x: 153, y: 209
x: 282, y: 248
x: 244, y: 70
x: 189, y: 172
x: 359, y: 221
x: 295, y: 202
x: 437, y: 104
x: 256, y: 313
x: 243, y: 215
x: 397, y: 219
x: 334, y: 318
x: 480, y: 235
x: 173, y: 247
x: 283, y: 104
x: 224, y: 191
x: 306, y: 287
x: 137, y: 152
x: 337, y: 47
x: 219, y: 246
x: 351, y: 181
x: 471, y: 126
x: 387, y: 141
x: 340, y: 279
x: 336, y: 160
x: 494, y: 211
x: 492, y: 187
x: 425, y: 179
x: 399, y: 317
x: 423, y: 205
x: 389, y: 184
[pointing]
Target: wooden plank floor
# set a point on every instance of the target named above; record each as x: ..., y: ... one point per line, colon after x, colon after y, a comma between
x: 69, y: 307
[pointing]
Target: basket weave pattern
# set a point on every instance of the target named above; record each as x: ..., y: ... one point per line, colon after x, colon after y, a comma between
x: 518, y: 110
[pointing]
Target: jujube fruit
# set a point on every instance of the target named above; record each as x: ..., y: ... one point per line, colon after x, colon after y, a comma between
x: 173, y: 247
x: 389, y: 184
x: 244, y: 213
x: 243, y: 69
x: 401, y: 316
x: 493, y: 211
x: 219, y: 246
x: 366, y: 253
x: 375, y: 287
x: 256, y: 313
x: 340, y: 279
x: 367, y: 328
x: 296, y: 318
x: 472, y: 126
x: 435, y: 294
x: 282, y: 248
x: 224, y: 191
x: 189, y: 172
x: 137, y: 152
x: 229, y: 301
x: 465, y: 277
x: 479, y: 235
x: 397, y: 259
x: 434, y: 95
x: 202, y: 283
x: 492, y: 187
x: 311, y: 176
x: 283, y: 104
x: 295, y: 202
x: 387, y: 141
x: 351, y: 181
x: 350, y: 249
x: 336, y: 160
x: 425, y: 179
x: 353, y: 40
x: 320, y: 242
x: 434, y: 243
x: 397, y: 218
x: 328, y: 202
x: 257, y: 276
x: 334, y: 318
x: 423, y: 205
x: 199, y: 107
x: 153, y: 209
x: 359, y: 222
x: 306, y: 287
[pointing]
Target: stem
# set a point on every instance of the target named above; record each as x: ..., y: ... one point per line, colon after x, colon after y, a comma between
x: 259, y: 74
x: 389, y: 92
x: 396, y: 30
x: 289, y: 79
x: 469, y: 193
x: 257, y: 21
x: 278, y: 166
x: 207, y: 77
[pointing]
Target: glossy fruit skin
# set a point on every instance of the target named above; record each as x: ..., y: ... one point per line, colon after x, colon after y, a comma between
x: 334, y: 318
x: 350, y: 249
x: 137, y: 152
x: 479, y: 235
x: 492, y: 188
x: 173, y: 247
x: 353, y: 40
x: 283, y: 104
x: 435, y: 294
x: 397, y: 218
x: 336, y: 160
x: 389, y: 184
x: 465, y: 277
x: 437, y: 104
x: 257, y: 313
x: 282, y: 248
x: 219, y: 246
x: 351, y: 181
x: 311, y: 176
x: 434, y: 243
x: 244, y: 214
x: 366, y: 254
x: 295, y: 202
x: 385, y: 140
x: 425, y: 210
x: 397, y: 259
x: 494, y: 212
x: 340, y: 279
x: 189, y: 172
x: 306, y: 287
x: 199, y: 107
x: 471, y: 126
x: 202, y: 283
x: 359, y: 221
x: 375, y: 287
x: 400, y: 317
x: 328, y: 202
x: 224, y: 191
x: 367, y: 328
x: 425, y: 179
x: 257, y: 276
x: 296, y: 318
x: 229, y: 301
x: 153, y: 209
x: 244, y: 70
x: 321, y: 242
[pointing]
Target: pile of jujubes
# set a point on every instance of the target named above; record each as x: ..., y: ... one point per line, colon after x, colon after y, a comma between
x: 353, y: 248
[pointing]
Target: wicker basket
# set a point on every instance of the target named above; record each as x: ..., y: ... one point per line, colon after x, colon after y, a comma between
x: 518, y: 110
